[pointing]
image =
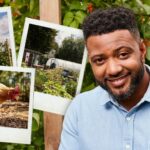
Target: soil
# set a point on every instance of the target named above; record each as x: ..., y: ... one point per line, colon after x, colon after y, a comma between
x: 14, y: 114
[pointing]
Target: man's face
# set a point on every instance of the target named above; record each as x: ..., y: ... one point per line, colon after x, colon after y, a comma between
x: 117, y: 62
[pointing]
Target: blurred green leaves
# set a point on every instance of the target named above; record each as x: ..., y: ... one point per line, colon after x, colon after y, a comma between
x: 35, y: 121
x: 74, y: 19
x: 74, y: 13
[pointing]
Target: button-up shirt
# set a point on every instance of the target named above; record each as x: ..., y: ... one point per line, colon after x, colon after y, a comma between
x: 95, y: 122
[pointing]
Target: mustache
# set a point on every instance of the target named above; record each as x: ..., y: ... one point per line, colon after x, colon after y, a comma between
x: 116, y: 77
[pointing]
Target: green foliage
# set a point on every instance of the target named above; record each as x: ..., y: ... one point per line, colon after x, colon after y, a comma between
x: 35, y: 121
x: 71, y: 87
x: 71, y: 7
x: 51, y: 87
x: 52, y: 82
x: 38, y: 131
x: 5, y: 54
x: 148, y: 53
x: 68, y: 18
x: 74, y: 13
x: 89, y: 80
x: 74, y: 19
x: 71, y: 50
x: 40, y: 78
x: 41, y: 37
x: 55, y: 75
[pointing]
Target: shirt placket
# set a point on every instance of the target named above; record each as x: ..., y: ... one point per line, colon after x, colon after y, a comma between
x: 128, y: 131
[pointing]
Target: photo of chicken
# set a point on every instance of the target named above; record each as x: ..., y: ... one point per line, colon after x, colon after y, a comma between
x: 14, y: 98
x: 9, y: 93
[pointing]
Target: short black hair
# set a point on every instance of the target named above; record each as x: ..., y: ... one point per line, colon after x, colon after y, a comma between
x: 108, y: 20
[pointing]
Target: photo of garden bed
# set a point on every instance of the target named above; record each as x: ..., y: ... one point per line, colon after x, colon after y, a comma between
x: 57, y: 56
x: 14, y: 114
x: 58, y: 82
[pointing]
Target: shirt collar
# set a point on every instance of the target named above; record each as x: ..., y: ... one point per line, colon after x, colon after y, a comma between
x: 146, y: 96
x: 102, y: 96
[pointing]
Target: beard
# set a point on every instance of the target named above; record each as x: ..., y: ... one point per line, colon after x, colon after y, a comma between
x: 136, y: 78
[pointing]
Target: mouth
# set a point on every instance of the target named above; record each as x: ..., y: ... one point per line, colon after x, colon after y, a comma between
x: 118, y: 82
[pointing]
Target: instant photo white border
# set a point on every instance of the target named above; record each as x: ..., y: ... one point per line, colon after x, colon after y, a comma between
x: 47, y: 102
x: 11, y: 33
x: 19, y: 135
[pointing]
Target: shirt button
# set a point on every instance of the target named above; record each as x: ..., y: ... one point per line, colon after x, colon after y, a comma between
x: 128, y: 118
x: 127, y: 147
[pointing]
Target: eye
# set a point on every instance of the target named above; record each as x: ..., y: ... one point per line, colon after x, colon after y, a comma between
x: 98, y: 61
x: 123, y: 55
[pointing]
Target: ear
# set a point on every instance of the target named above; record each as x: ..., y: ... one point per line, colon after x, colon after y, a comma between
x: 143, y: 51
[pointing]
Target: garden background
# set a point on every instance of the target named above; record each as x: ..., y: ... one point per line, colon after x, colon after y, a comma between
x: 73, y: 13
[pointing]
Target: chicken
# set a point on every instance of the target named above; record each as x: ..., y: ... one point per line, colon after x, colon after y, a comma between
x: 8, y: 93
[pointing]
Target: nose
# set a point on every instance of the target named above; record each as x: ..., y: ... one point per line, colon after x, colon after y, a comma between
x: 114, y: 68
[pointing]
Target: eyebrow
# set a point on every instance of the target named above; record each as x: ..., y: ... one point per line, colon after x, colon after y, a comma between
x: 98, y: 55
x: 115, y: 52
x: 123, y: 47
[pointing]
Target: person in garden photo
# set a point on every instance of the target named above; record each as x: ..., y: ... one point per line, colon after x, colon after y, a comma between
x: 116, y: 114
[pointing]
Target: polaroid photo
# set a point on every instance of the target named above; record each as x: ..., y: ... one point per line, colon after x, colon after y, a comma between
x: 16, y: 104
x: 59, y: 56
x: 7, y: 44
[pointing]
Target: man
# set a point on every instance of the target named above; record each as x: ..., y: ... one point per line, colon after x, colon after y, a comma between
x: 116, y: 114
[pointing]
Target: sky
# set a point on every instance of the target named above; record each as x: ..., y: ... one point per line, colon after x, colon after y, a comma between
x: 61, y: 35
x: 4, y: 26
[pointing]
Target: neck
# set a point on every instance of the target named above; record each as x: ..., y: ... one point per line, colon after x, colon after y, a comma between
x: 139, y: 92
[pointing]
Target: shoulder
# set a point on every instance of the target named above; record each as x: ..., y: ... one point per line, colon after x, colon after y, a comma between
x: 87, y: 96
x: 90, y: 93
x: 88, y: 100
x: 95, y: 95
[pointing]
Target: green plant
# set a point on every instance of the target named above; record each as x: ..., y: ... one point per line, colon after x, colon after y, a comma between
x: 73, y: 12
x: 71, y: 87
x: 71, y: 50
x: 41, y: 39
x: 89, y: 80
x: 53, y: 88
x: 5, y: 54
x: 40, y: 78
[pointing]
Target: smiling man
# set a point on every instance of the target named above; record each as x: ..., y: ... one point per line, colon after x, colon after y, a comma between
x: 116, y: 114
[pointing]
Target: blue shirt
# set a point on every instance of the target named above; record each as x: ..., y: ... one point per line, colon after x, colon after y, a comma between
x: 95, y: 122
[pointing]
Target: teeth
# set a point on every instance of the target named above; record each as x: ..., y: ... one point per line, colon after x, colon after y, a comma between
x: 117, y: 82
x: 118, y: 79
x: 115, y: 79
